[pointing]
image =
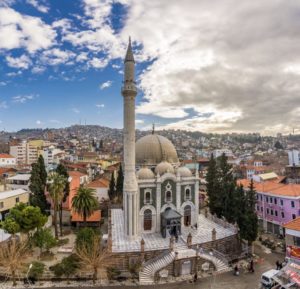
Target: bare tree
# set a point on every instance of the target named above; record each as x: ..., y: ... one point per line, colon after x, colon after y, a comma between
x: 93, y: 255
x: 11, y: 254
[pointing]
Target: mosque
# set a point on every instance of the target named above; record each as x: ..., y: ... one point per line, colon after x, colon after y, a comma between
x: 159, y: 228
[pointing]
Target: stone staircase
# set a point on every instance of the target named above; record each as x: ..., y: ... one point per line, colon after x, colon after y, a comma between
x: 146, y: 276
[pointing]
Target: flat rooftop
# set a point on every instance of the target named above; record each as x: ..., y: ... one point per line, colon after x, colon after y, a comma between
x: 154, y: 241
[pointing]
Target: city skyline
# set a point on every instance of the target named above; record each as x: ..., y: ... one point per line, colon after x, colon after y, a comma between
x: 201, y: 67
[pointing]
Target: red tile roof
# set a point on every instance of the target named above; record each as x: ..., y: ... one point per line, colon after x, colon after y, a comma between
x: 293, y: 224
x: 100, y: 183
x: 6, y: 156
x: 274, y: 188
x: 76, y: 174
x: 96, y: 217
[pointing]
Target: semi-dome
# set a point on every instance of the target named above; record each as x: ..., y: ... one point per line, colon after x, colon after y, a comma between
x: 153, y: 149
x: 145, y: 174
x: 184, y: 172
x: 164, y: 167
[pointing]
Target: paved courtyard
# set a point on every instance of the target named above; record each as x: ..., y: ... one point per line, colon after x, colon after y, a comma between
x: 154, y: 241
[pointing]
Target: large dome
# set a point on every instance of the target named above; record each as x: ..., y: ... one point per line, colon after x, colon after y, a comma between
x: 152, y: 149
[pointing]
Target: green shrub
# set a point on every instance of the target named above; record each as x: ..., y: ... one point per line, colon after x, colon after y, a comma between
x: 37, y: 269
x: 62, y: 242
x: 113, y: 273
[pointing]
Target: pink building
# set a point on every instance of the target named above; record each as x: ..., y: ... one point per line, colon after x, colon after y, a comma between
x: 277, y: 203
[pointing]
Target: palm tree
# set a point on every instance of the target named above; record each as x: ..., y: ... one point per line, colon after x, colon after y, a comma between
x: 84, y: 202
x: 57, y: 184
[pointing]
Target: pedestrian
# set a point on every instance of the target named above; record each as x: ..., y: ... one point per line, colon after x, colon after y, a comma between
x: 195, y: 277
x: 251, y: 266
x: 277, y: 265
x: 236, y: 270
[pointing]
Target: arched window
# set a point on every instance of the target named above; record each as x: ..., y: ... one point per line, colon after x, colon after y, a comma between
x: 187, y: 214
x: 187, y: 194
x: 147, y: 197
x: 168, y: 196
x: 147, y: 220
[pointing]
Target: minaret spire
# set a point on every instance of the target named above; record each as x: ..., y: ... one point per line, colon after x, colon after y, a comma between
x: 130, y: 187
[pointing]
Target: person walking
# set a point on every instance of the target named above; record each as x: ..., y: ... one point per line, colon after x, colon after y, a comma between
x: 277, y: 265
x: 251, y: 266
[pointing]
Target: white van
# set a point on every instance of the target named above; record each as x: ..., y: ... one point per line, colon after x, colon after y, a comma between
x: 267, y: 280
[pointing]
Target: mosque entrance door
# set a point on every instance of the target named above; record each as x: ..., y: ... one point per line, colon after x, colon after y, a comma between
x: 147, y: 220
x: 187, y: 215
x: 170, y: 223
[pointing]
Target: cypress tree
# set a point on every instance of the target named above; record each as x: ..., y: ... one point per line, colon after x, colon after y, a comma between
x: 119, y: 184
x: 112, y: 187
x: 213, y: 187
x: 227, y: 189
x: 37, y: 186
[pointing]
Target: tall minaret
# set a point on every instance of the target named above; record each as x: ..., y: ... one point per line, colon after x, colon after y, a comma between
x: 130, y: 188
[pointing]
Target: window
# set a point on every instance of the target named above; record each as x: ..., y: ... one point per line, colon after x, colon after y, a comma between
x: 1, y: 205
x: 257, y: 207
x: 282, y: 214
x: 187, y: 194
x: 257, y: 196
x: 168, y: 196
x: 276, y: 213
x: 297, y: 241
x: 293, y: 216
x: 187, y: 215
x: 275, y: 201
x: 281, y: 202
x: 292, y: 204
x: 261, y: 197
x: 271, y: 200
x: 268, y: 211
x: 267, y: 199
x: 147, y: 220
x: 148, y: 197
x: 272, y: 213
x: 17, y: 200
x: 262, y: 209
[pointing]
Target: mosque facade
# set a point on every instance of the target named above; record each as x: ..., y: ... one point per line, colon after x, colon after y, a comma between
x: 159, y: 226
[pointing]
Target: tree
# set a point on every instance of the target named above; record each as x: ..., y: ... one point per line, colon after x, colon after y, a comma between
x: 10, y: 226
x: 61, y: 170
x: 68, y: 266
x: 278, y: 145
x: 227, y: 188
x: 56, y: 191
x: 37, y: 185
x: 112, y: 187
x: 84, y: 202
x: 11, y: 253
x: 212, y: 180
x: 93, y: 255
x: 119, y: 184
x: 44, y: 239
x: 84, y: 235
x: 23, y: 218
x: 37, y: 270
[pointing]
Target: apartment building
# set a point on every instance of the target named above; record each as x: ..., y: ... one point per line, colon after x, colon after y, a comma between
x: 7, y: 160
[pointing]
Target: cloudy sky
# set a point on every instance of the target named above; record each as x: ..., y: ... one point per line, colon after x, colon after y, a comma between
x: 213, y: 66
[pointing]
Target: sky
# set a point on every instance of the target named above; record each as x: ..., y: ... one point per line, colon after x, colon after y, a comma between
x: 202, y: 65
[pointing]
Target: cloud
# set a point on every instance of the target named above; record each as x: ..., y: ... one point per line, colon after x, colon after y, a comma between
x: 23, y: 31
x: 22, y: 62
x: 75, y: 110
x: 100, y: 105
x: 40, y: 5
x: 56, y: 56
x: 3, y: 83
x: 39, y: 123
x: 23, y: 98
x: 38, y: 69
x: 221, y: 58
x: 139, y: 121
x: 105, y: 84
x: 98, y: 62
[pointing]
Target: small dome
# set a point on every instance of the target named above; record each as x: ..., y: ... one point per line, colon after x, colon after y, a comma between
x: 164, y: 167
x: 184, y: 172
x: 145, y: 174
x: 152, y: 149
